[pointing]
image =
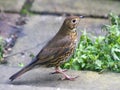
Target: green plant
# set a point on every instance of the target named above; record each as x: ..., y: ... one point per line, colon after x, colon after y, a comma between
x: 21, y: 65
x: 1, y: 49
x: 26, y: 8
x: 102, y: 53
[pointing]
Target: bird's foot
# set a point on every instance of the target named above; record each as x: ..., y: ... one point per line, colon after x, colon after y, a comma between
x: 57, y: 71
x: 66, y: 77
x: 69, y: 78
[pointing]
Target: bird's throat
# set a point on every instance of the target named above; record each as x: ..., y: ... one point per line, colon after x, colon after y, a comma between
x: 66, y: 30
x: 73, y: 30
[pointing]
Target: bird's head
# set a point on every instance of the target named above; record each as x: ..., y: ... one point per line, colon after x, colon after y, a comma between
x: 71, y: 22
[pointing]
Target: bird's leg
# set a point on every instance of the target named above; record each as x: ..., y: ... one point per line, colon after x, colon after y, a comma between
x: 56, y: 71
x: 66, y: 77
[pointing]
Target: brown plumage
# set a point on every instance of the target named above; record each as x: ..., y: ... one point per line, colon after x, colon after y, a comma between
x: 57, y: 50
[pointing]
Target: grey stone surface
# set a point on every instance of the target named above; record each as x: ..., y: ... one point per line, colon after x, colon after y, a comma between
x: 36, y: 34
x: 84, y: 7
x: 42, y: 79
x: 24, y: 87
x: 7, y: 24
x: 40, y: 29
x: 11, y: 5
x: 93, y: 25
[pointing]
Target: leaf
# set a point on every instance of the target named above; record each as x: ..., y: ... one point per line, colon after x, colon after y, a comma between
x: 98, y: 63
x: 75, y: 67
x: 114, y: 50
x: 21, y: 65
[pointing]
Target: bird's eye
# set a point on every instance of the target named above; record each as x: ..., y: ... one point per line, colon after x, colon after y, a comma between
x: 73, y: 21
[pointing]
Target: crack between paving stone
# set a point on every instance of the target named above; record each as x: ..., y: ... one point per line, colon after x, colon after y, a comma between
x: 28, y: 4
x: 68, y: 14
x: 60, y: 14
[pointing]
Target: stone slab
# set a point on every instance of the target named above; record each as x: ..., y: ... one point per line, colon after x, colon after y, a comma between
x: 39, y: 30
x: 82, y: 7
x: 36, y: 33
x: 7, y: 24
x: 24, y: 87
x: 11, y: 5
x: 42, y: 79
x: 9, y: 31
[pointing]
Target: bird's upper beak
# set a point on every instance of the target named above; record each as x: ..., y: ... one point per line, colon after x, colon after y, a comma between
x: 81, y: 16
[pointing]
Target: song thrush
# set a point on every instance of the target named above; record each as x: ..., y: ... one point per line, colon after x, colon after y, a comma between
x: 57, y: 50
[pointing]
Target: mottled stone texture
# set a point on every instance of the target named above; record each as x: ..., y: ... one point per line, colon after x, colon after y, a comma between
x: 86, y: 7
x: 11, y: 5
x: 42, y: 79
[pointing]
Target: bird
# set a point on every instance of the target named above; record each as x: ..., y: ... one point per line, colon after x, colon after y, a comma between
x: 57, y: 50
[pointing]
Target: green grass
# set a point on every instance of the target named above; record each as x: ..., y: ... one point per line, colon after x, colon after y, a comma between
x: 102, y: 53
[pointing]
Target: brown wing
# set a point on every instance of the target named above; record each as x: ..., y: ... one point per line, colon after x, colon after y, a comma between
x: 53, y: 50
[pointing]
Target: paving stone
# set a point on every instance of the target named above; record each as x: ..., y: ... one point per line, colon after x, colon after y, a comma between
x: 41, y: 79
x: 11, y: 5
x: 94, y: 25
x: 36, y: 34
x: 7, y: 24
x: 40, y: 29
x: 84, y: 7
x: 24, y: 87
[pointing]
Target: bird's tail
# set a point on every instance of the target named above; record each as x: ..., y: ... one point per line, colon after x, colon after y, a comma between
x: 22, y: 71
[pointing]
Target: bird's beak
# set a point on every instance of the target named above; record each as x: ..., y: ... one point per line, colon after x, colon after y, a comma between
x: 81, y: 16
